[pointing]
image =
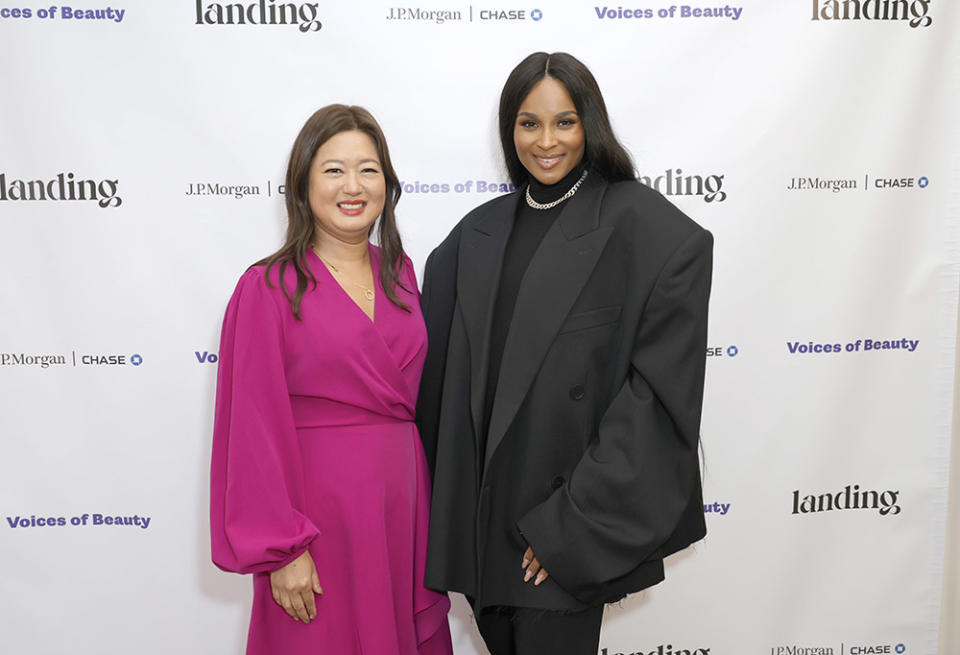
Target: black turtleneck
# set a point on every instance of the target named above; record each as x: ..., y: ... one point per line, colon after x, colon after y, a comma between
x: 529, y: 227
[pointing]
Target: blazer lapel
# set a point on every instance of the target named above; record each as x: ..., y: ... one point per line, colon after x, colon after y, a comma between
x: 478, y: 278
x: 553, y: 281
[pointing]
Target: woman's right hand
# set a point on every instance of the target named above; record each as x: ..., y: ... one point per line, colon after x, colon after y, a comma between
x: 293, y: 587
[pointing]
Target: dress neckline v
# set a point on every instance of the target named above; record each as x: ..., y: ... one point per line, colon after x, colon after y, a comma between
x: 377, y: 290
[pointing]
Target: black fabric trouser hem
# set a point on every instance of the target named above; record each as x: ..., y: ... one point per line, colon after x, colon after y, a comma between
x: 526, y: 631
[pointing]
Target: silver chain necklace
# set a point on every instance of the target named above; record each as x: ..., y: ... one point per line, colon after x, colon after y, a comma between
x: 548, y: 205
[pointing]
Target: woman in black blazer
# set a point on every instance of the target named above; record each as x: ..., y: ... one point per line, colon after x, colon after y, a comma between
x: 560, y: 403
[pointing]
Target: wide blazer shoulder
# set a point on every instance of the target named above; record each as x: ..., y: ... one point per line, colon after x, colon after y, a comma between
x: 647, y: 209
x: 443, y: 258
x: 493, y: 207
x: 476, y: 217
x: 629, y: 207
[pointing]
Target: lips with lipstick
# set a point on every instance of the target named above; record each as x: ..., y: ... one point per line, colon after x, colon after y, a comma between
x: 352, y: 207
x: 547, y: 162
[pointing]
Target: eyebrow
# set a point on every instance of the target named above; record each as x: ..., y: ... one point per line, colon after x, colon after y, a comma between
x: 340, y: 161
x: 560, y: 115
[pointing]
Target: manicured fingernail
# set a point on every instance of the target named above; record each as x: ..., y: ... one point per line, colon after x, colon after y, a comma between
x: 525, y: 562
x: 529, y: 574
x: 540, y: 578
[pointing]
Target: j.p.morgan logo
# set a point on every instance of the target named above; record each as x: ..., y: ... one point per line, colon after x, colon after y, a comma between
x: 471, y: 14
x: 915, y: 12
x: 264, y: 12
x: 856, y: 649
x: 61, y: 187
x: 850, y: 497
x: 870, y: 183
x: 75, y: 359
x: 802, y: 650
x: 237, y: 191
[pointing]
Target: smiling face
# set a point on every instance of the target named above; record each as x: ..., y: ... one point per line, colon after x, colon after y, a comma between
x: 347, y: 187
x: 548, y: 134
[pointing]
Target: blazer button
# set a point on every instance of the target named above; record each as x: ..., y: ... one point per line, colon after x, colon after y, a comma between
x: 557, y: 482
x: 578, y: 392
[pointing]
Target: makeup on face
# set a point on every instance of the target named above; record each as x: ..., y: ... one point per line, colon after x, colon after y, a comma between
x: 347, y: 187
x: 548, y: 134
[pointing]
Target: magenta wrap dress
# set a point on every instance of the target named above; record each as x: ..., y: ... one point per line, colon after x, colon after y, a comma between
x: 314, y: 447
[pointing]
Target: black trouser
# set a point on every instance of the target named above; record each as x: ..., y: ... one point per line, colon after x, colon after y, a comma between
x: 525, y: 631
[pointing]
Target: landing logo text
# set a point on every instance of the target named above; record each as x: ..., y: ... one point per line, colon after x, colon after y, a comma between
x: 264, y: 12
x: 915, y: 12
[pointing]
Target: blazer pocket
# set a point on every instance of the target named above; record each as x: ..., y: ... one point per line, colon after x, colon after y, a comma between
x: 591, y: 319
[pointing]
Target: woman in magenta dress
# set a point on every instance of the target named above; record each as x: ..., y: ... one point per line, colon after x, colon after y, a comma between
x: 319, y: 486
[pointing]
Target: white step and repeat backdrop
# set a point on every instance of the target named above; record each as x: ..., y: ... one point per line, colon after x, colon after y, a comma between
x: 142, y: 153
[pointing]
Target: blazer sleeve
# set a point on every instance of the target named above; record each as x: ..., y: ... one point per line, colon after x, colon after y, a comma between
x: 256, y: 486
x: 629, y: 491
x: 437, y: 301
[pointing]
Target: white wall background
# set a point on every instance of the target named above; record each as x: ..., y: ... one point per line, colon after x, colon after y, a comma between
x: 158, y: 103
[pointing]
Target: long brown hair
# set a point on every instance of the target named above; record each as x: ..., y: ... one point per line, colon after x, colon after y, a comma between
x: 301, y: 224
x: 603, y: 152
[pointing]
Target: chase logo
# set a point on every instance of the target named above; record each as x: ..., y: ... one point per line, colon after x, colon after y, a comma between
x: 878, y: 649
x: 723, y: 351
x: 507, y: 14
x: 921, y: 182
x: 108, y: 359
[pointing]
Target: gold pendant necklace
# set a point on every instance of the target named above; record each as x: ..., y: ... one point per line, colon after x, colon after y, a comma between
x: 367, y: 291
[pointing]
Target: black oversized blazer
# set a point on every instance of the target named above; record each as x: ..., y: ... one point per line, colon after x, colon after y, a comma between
x: 592, y: 449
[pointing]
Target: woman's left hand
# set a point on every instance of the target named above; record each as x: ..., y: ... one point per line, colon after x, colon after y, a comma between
x: 533, y: 568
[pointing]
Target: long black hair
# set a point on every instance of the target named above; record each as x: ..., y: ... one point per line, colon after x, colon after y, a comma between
x: 602, y: 153
x: 324, y: 124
